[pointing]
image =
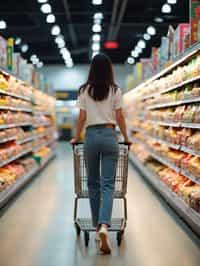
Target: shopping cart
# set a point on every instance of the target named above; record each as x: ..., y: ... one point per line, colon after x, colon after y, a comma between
x: 81, y: 190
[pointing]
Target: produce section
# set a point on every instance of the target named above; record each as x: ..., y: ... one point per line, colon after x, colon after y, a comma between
x: 163, y: 117
x: 27, y: 134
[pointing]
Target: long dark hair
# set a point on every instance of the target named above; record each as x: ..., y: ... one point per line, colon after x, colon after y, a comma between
x: 100, y: 79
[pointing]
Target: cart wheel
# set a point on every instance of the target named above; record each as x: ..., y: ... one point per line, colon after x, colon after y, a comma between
x: 119, y: 238
x: 78, y: 230
x: 86, y: 238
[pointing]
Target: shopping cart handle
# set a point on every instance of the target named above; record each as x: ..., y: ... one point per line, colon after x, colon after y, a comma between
x: 126, y: 143
x: 121, y: 142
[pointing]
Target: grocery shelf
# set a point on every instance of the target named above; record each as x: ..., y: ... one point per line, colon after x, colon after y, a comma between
x: 13, y: 158
x: 174, y: 87
x: 17, y: 109
x: 5, y: 126
x: 42, y: 113
x: 7, y: 139
x: 167, y: 163
x: 190, y: 176
x: 188, y: 150
x: 42, y: 125
x: 163, y: 123
x: 9, y: 192
x: 188, y: 214
x: 4, y: 92
x: 176, y: 103
x: 189, y: 53
x: 170, y: 124
x: 22, y: 141
x: 169, y: 144
x: 39, y: 147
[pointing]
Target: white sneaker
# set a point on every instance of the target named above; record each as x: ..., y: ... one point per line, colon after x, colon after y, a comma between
x: 105, y: 246
x: 97, y: 238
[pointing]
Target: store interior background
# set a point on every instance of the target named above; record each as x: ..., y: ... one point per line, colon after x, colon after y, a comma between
x: 124, y: 22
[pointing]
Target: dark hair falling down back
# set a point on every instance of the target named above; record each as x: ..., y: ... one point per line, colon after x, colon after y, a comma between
x: 100, y: 79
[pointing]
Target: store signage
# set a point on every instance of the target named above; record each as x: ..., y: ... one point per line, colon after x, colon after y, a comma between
x: 66, y: 95
x: 10, y: 49
x: 111, y: 45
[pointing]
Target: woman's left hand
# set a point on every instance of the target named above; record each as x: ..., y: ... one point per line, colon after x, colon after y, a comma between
x: 74, y: 141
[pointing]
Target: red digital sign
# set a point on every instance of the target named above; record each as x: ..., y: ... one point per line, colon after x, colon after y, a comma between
x: 111, y: 45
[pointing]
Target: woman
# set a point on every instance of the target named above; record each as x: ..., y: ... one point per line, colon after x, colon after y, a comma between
x: 100, y: 103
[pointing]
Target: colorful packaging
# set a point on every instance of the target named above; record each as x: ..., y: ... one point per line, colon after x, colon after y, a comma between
x: 179, y: 36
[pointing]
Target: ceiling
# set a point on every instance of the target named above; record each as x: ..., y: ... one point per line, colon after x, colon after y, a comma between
x: 24, y: 19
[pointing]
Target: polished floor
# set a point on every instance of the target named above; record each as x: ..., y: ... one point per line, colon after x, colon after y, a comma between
x: 36, y: 229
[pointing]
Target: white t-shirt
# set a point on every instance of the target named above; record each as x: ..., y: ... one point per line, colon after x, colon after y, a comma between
x: 100, y: 112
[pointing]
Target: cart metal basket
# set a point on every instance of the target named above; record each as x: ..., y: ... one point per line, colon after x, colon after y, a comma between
x: 81, y: 190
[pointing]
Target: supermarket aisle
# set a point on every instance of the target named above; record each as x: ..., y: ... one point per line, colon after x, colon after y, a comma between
x: 37, y: 228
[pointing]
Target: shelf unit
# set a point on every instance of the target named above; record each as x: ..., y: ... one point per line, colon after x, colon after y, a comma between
x: 44, y: 100
x: 176, y: 103
x: 166, y: 162
x: 22, y: 141
x: 169, y: 144
x: 16, y: 109
x: 7, y: 93
x: 187, y: 213
x: 4, y: 140
x: 177, y: 86
x: 23, y: 124
x: 9, y: 192
x: 170, y: 124
x: 138, y: 109
x: 15, y: 157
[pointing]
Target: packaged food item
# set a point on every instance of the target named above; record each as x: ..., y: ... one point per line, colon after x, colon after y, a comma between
x: 189, y: 113
x: 179, y: 113
x: 193, y: 141
x: 194, y: 166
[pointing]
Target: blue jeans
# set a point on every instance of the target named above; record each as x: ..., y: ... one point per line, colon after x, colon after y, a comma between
x: 101, y: 154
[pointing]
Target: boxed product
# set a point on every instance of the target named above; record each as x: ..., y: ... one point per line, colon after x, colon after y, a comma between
x: 179, y: 36
x: 3, y: 53
x: 195, y: 21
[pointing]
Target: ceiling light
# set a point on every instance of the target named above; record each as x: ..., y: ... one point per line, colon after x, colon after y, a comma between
x: 35, y: 61
x: 59, y: 39
x: 131, y: 60
x: 151, y: 30
x: 2, y: 25
x: 33, y: 57
x: 61, y: 44
x: 71, y: 64
x: 45, y: 8
x: 55, y: 30
x: 138, y: 50
x: 134, y: 54
x: 98, y: 16
x: 42, y: 1
x: 65, y: 53
x: 172, y: 2
x: 96, y: 28
x: 18, y: 41
x: 96, y: 37
x: 147, y: 37
x: 166, y: 9
x: 24, y: 48
x: 40, y: 64
x: 96, y: 2
x: 158, y: 19
x: 142, y: 44
x: 50, y: 18
x: 95, y: 47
